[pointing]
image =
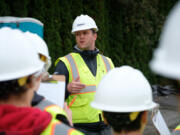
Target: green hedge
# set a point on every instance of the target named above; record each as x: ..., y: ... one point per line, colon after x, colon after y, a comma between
x: 128, y: 29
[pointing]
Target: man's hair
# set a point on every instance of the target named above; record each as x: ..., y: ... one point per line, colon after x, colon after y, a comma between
x: 121, y: 121
x: 93, y: 31
x: 12, y: 88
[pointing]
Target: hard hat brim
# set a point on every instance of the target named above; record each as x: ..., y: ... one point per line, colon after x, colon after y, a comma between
x: 26, y: 72
x: 111, y: 108
x: 83, y: 28
x: 169, y: 70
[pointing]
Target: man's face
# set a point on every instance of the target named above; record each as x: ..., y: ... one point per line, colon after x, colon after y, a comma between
x: 85, y: 39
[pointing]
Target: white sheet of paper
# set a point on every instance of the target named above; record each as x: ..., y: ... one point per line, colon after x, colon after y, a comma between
x: 55, y: 92
x: 160, y: 124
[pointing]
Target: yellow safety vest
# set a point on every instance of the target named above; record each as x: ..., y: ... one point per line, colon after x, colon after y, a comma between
x: 79, y: 103
x: 176, y: 131
x: 53, y: 109
x: 55, y: 127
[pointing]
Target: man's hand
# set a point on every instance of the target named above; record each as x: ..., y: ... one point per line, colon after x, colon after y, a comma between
x: 69, y: 113
x: 75, y: 86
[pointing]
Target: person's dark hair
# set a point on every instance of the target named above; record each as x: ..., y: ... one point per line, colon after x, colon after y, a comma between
x: 121, y: 121
x: 93, y: 31
x: 9, y: 88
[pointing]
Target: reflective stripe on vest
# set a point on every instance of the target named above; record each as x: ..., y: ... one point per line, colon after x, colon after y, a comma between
x: 176, y: 131
x: 108, y: 66
x: 51, y: 108
x: 62, y: 129
x: 57, y: 128
x: 72, y: 63
x: 75, y: 72
x: 43, y: 104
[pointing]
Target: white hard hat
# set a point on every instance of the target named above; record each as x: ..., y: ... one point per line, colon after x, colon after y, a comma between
x: 40, y: 46
x: 83, y: 22
x: 124, y: 89
x: 18, y: 58
x: 166, y: 60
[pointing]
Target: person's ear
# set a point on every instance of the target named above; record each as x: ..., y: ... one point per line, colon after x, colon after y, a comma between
x: 105, y: 121
x: 33, y: 82
x: 30, y: 84
x: 95, y: 36
x: 37, y: 82
x: 144, y: 117
x: 38, y: 79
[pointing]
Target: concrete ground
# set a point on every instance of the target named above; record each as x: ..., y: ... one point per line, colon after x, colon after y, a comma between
x: 168, y: 108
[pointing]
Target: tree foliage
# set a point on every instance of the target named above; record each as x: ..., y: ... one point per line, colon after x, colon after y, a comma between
x: 129, y: 30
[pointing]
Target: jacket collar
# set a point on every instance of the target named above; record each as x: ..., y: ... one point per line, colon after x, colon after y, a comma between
x: 88, y: 53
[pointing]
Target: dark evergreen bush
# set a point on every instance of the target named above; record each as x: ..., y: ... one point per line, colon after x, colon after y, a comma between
x: 129, y: 30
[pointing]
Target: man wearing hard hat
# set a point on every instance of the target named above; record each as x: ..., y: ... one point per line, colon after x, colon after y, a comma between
x: 20, y: 73
x: 84, y: 68
x: 166, y: 60
x: 125, y: 96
